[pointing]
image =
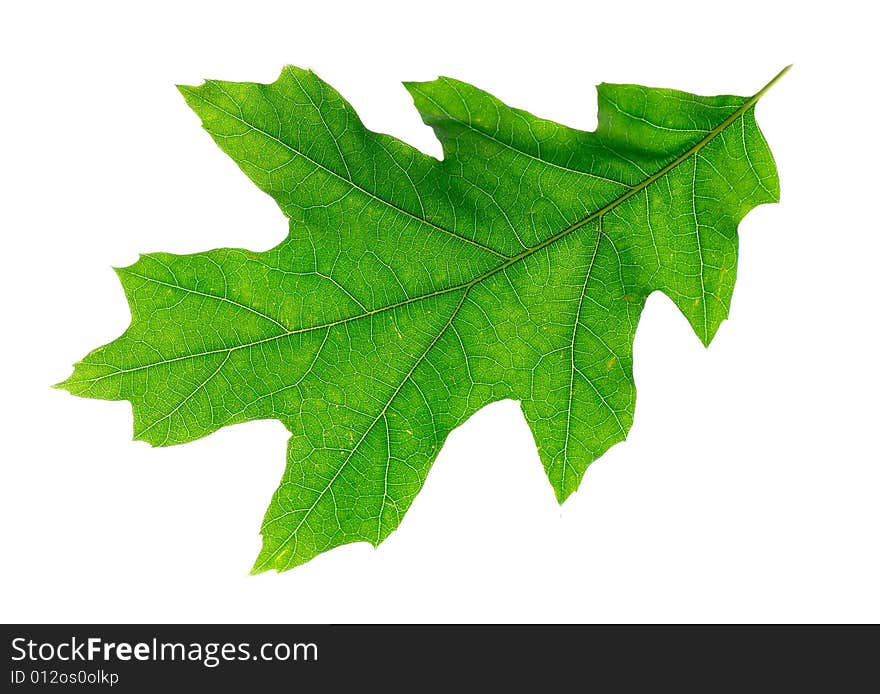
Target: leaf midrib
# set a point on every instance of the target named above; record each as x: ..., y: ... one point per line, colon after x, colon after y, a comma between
x: 635, y: 190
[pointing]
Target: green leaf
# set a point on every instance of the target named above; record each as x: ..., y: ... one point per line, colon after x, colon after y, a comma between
x: 411, y: 292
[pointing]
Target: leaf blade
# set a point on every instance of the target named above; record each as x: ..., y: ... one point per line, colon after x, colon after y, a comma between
x: 402, y: 302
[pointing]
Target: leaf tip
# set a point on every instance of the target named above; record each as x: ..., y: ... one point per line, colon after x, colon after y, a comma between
x: 120, y: 270
x: 296, y: 70
x: 138, y: 436
x: 603, y: 87
x: 62, y: 385
x: 265, y: 563
x: 268, y: 559
x: 708, y: 333
x: 414, y: 88
x: 69, y: 384
x: 258, y: 569
x: 562, y: 495
x: 185, y: 89
x: 190, y: 94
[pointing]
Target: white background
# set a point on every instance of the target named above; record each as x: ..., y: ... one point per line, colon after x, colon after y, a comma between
x: 749, y: 488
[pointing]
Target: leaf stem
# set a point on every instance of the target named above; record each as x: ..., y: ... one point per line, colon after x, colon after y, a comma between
x: 769, y: 84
